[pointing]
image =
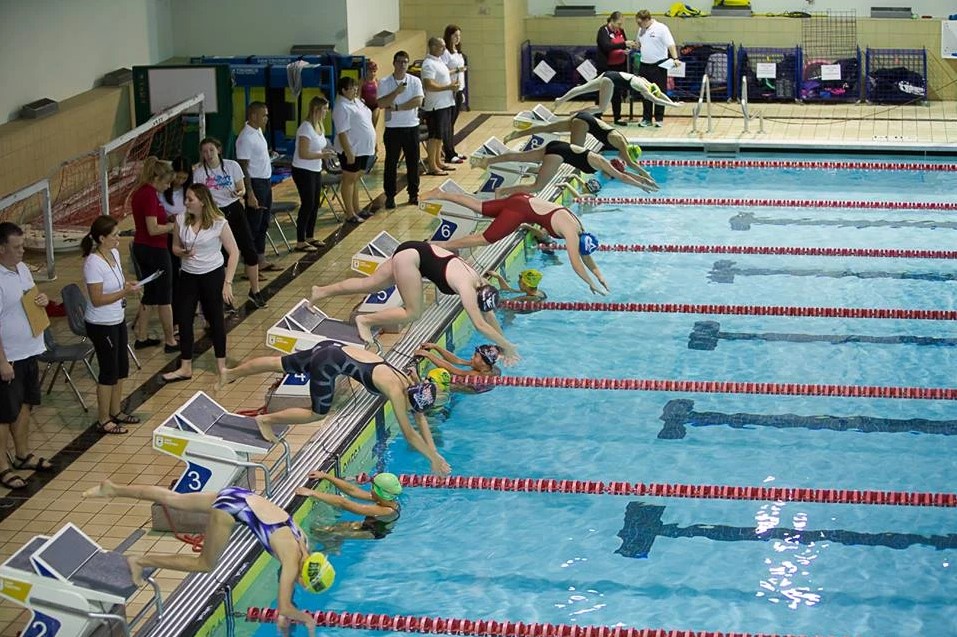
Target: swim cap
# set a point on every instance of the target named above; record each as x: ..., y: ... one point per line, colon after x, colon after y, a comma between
x: 386, y: 486
x: 441, y: 377
x: 422, y: 395
x: 531, y: 278
x: 593, y: 186
x: 654, y: 89
x: 618, y: 164
x: 634, y: 151
x: 487, y: 298
x: 317, y: 573
x: 489, y: 353
x: 587, y: 243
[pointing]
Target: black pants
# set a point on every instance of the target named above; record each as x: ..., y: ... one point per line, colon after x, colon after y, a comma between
x: 112, y: 357
x: 448, y: 142
x: 618, y: 94
x: 206, y: 290
x: 260, y: 217
x: 398, y: 141
x: 309, y: 185
x: 236, y: 216
x: 658, y: 75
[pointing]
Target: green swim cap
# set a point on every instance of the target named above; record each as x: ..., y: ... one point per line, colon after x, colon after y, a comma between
x: 386, y: 486
x: 634, y: 151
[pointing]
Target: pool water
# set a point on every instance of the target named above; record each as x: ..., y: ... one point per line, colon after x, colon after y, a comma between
x: 756, y: 566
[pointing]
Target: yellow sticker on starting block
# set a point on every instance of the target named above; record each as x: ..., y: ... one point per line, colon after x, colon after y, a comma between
x: 431, y: 207
x: 168, y: 444
x: 15, y: 589
x: 364, y: 267
x: 282, y: 343
x: 521, y: 124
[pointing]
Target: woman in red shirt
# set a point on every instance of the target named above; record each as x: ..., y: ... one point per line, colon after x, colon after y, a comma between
x: 151, y: 253
x: 612, y: 55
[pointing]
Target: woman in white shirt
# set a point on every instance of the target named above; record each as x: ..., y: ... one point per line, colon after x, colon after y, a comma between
x: 199, y: 240
x: 311, y: 148
x: 174, y: 200
x: 355, y: 142
x: 455, y: 60
x: 224, y: 179
x: 105, y: 322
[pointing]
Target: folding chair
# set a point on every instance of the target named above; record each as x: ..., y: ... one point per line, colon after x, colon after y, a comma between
x: 367, y: 171
x: 282, y: 207
x: 58, y: 354
x: 331, y: 179
x: 75, y: 305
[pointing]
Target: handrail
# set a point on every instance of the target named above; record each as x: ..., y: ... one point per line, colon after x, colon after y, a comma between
x: 744, y: 107
x: 704, y: 96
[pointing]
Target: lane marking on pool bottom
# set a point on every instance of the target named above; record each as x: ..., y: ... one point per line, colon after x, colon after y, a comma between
x: 799, y: 251
x: 676, y: 490
x: 775, y: 203
x: 740, y: 310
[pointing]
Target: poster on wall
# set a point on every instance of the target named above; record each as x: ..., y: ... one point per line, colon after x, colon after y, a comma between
x: 948, y: 38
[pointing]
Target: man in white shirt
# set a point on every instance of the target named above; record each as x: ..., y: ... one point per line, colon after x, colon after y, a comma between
x: 400, y: 96
x: 252, y: 153
x: 656, y: 45
x: 19, y: 348
x: 439, y: 103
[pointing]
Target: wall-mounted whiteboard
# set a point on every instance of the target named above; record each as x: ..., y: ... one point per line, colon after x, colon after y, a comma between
x: 175, y: 84
x: 948, y: 38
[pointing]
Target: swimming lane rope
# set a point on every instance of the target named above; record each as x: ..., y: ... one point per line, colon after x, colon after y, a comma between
x: 812, y: 165
x: 776, y: 203
x: 664, y: 490
x: 482, y: 627
x: 714, y: 387
x: 740, y: 310
x: 898, y: 253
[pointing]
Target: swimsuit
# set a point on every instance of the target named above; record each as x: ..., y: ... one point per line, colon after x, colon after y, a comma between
x: 512, y: 212
x: 325, y: 363
x: 232, y: 500
x: 596, y: 129
x: 431, y: 266
x: 380, y: 527
x: 616, y: 78
x: 574, y: 158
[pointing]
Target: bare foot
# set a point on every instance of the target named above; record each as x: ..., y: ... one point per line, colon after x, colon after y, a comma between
x: 512, y: 135
x: 266, y: 431
x: 223, y: 379
x: 317, y: 294
x: 136, y: 570
x: 105, y: 489
x: 478, y: 162
x: 435, y: 193
x: 365, y: 332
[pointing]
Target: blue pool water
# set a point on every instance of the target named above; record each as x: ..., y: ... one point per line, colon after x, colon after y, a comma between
x: 754, y: 566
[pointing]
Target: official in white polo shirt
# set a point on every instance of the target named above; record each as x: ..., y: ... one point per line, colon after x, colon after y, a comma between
x: 439, y: 102
x: 252, y: 153
x: 656, y: 45
x: 400, y: 96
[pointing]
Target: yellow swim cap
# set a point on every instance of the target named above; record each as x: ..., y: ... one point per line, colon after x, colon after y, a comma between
x: 634, y: 151
x: 317, y: 572
x: 530, y: 277
x: 441, y: 378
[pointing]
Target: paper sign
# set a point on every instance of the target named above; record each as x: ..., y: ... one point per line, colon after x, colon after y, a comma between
x: 544, y: 71
x: 767, y: 70
x: 830, y: 71
x: 587, y: 70
x: 678, y: 70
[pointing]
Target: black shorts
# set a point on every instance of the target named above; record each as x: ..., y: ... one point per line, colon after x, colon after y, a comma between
x: 358, y: 166
x: 109, y: 342
x: 439, y: 121
x: 24, y: 389
x: 151, y: 259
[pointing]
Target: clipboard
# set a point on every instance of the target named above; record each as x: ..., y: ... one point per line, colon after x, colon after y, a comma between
x: 36, y: 315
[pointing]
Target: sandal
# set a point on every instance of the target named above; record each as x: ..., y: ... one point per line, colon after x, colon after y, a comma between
x: 355, y: 220
x: 175, y: 377
x: 125, y: 419
x: 316, y: 243
x: 12, y: 482
x: 25, y: 464
x: 110, y: 427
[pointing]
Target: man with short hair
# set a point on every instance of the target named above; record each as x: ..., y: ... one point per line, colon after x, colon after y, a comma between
x: 400, y: 96
x: 252, y: 153
x: 19, y: 348
x: 656, y: 44
x: 439, y: 103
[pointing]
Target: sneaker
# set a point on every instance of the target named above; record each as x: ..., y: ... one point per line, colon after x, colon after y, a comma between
x: 659, y: 124
x: 149, y: 342
x: 621, y: 122
x: 414, y: 201
x: 228, y: 309
x: 170, y: 349
x: 644, y: 123
x: 257, y: 299
x: 390, y: 203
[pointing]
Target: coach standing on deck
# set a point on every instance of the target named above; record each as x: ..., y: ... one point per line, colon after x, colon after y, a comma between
x: 612, y: 55
x: 656, y: 45
x: 252, y: 153
x: 400, y: 96
x: 438, y: 104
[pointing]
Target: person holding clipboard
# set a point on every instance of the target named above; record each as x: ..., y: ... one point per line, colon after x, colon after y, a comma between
x: 106, y: 322
x: 19, y: 347
x: 657, y: 46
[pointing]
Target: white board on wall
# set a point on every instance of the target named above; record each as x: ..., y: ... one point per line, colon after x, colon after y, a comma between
x: 175, y: 84
x: 948, y: 38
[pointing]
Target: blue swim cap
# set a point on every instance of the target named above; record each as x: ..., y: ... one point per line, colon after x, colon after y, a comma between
x: 587, y: 243
x: 487, y: 297
x: 422, y: 395
x: 593, y: 186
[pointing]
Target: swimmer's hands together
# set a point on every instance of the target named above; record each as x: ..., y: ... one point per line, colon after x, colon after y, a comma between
x: 316, y: 475
x: 439, y: 466
x: 509, y: 356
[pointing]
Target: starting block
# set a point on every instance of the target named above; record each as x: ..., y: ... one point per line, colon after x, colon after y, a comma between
x: 72, y: 586
x: 455, y: 220
x: 538, y: 115
x: 537, y: 140
x: 305, y: 326
x: 368, y: 259
x: 216, y: 446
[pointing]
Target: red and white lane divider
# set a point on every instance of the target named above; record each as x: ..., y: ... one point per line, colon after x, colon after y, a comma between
x: 776, y: 203
x: 714, y: 387
x: 740, y: 310
x: 894, y: 253
x: 806, y: 164
x: 483, y: 627
x: 665, y: 490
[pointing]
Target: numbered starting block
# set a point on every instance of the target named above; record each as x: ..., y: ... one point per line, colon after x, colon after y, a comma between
x: 305, y: 326
x: 535, y: 117
x: 72, y: 587
x: 455, y: 220
x: 367, y: 260
x: 216, y: 446
x: 537, y: 141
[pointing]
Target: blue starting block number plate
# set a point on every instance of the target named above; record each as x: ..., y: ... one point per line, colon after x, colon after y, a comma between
x: 295, y: 380
x: 381, y: 297
x: 41, y: 626
x: 445, y: 231
x: 193, y: 479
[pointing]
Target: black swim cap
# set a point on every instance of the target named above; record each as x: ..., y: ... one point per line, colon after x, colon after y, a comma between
x: 487, y: 297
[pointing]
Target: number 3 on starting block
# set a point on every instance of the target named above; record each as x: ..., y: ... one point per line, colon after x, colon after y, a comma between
x: 193, y: 479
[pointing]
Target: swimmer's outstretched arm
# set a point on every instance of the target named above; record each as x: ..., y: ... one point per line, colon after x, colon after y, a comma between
x: 345, y: 504
x: 575, y: 259
x: 652, y: 92
x: 591, y: 265
x: 487, y: 324
x: 421, y: 442
x: 502, y: 281
x: 444, y: 353
x: 288, y: 555
x: 349, y: 488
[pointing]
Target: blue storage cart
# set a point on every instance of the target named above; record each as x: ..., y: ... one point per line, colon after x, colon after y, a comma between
x: 763, y: 86
x: 563, y: 59
x: 818, y: 84
x: 896, y: 76
x: 700, y: 58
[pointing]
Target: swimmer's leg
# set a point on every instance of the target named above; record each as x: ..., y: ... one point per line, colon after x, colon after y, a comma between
x: 160, y: 495
x: 218, y: 530
x: 379, y: 280
x: 588, y: 87
x: 259, y: 365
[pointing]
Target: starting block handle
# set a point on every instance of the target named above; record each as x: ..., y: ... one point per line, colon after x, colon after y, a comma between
x: 239, y: 463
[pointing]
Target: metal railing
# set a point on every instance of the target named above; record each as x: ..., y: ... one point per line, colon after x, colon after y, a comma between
x: 745, y: 111
x: 704, y: 98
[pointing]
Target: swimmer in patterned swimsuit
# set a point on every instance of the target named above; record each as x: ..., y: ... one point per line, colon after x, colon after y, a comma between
x: 325, y: 363
x: 607, y: 82
x: 552, y: 155
x: 378, y: 506
x: 508, y: 216
x: 270, y: 524
x: 405, y: 269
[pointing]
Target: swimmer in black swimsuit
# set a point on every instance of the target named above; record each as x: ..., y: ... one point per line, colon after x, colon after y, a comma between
x: 552, y: 155
x: 325, y: 363
x: 482, y: 362
x: 582, y: 124
x: 379, y: 506
x: 272, y: 526
x: 606, y: 83
x: 410, y: 262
